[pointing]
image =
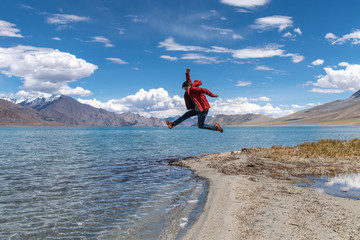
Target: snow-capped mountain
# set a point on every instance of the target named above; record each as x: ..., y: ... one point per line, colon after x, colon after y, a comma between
x: 67, y: 111
x: 12, y: 114
x: 38, y: 103
x: 13, y: 100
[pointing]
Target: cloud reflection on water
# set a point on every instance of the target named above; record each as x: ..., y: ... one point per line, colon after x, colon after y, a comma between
x: 346, y: 182
x: 346, y: 185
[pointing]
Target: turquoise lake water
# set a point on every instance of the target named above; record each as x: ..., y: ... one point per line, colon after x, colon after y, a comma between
x: 114, y: 182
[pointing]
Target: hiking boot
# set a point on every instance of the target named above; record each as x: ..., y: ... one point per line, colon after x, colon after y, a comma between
x: 218, y: 128
x: 170, y: 124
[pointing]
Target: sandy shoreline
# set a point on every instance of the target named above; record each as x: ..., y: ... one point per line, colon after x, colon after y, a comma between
x: 260, y: 202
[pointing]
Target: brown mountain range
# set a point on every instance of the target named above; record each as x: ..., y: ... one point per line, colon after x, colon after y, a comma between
x: 66, y: 111
x: 337, y: 113
x: 238, y: 120
x: 12, y: 114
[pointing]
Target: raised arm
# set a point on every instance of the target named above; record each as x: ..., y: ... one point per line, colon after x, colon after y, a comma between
x: 188, y: 75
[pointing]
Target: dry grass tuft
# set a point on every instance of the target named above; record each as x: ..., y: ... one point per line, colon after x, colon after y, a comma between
x: 325, y: 148
x: 331, y: 148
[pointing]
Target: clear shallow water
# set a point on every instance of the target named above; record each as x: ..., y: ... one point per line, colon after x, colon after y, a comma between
x: 113, y: 183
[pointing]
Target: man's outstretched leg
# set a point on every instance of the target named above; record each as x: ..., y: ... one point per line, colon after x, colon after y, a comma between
x: 201, y: 122
x: 186, y: 115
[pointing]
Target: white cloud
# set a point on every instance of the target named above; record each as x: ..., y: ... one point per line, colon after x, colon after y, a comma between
x: 8, y: 29
x: 223, y: 31
x: 24, y: 6
x: 189, y: 26
x: 22, y: 95
x: 56, y: 38
x: 266, y: 52
x: 245, y: 3
x: 209, y: 15
x: 117, y: 60
x: 243, y: 105
x: 66, y: 90
x: 253, y: 52
x: 264, y: 68
x: 298, y: 31
x: 158, y: 103
x: 170, y: 45
x: 243, y: 10
x: 317, y: 62
x: 271, y: 22
x: 289, y: 35
x: 354, y: 37
x: 344, y: 79
x: 297, y: 106
x: 44, y: 69
x: 292, y: 36
x: 243, y: 83
x: 152, y: 103
x: 199, y: 58
x: 103, y: 40
x: 344, y: 64
x: 270, y: 50
x: 216, y: 49
x: 169, y: 58
x: 321, y: 90
x: 264, y: 99
x: 121, y: 30
x: 237, y: 36
x: 136, y: 18
x: 330, y: 36
x: 296, y: 58
x: 63, y: 20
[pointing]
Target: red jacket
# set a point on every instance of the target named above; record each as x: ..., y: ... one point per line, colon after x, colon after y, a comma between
x: 197, y: 94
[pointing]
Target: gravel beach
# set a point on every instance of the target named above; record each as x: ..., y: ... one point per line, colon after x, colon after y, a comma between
x: 253, y: 197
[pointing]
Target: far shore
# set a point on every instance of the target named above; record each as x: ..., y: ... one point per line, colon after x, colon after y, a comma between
x: 252, y: 196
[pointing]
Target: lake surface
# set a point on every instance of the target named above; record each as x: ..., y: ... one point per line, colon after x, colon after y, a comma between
x: 114, y: 182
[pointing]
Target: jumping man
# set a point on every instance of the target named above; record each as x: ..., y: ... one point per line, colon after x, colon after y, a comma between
x: 196, y: 103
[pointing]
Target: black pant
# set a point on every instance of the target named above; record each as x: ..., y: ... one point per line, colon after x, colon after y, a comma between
x: 201, y: 119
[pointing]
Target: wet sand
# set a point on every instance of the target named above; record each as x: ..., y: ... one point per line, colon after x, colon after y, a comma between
x: 252, y: 197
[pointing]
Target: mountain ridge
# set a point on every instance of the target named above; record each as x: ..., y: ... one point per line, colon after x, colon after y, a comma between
x: 12, y: 114
x: 63, y: 110
x: 66, y: 111
x: 336, y: 113
x: 238, y: 120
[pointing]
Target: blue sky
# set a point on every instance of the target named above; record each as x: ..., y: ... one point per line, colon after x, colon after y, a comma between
x: 271, y: 57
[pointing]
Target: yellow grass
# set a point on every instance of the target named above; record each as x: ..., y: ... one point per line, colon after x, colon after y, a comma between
x: 325, y: 148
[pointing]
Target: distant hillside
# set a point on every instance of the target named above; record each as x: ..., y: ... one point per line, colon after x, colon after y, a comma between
x: 12, y: 114
x: 188, y: 123
x: 135, y: 120
x: 337, y: 113
x: 68, y: 111
x: 65, y: 111
x: 239, y: 120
